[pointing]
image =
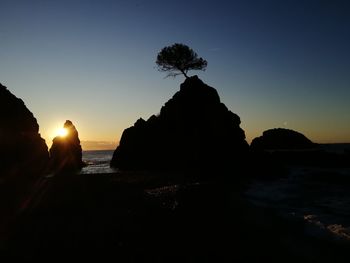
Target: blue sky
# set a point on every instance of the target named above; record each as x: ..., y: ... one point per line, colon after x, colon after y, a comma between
x: 274, y: 63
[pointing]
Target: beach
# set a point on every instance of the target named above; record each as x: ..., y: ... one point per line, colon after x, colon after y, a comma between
x: 143, y: 216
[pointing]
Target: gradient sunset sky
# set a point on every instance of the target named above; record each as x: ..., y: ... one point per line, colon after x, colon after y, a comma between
x: 282, y: 63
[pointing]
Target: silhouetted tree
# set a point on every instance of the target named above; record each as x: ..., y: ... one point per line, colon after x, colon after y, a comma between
x: 179, y: 59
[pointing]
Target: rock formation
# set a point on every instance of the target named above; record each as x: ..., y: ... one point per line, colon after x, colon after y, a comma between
x: 281, y: 139
x: 22, y: 150
x: 193, y: 130
x: 66, y: 152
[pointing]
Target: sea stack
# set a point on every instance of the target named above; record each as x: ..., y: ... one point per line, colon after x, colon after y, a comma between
x: 22, y: 150
x: 193, y: 130
x: 282, y: 139
x: 66, y: 152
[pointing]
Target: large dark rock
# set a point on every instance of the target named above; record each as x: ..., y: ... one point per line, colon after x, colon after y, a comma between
x: 22, y: 150
x: 281, y: 139
x: 193, y: 130
x: 23, y: 158
x: 66, y: 152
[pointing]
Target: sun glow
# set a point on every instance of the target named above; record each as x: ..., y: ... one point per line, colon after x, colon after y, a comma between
x: 62, y: 132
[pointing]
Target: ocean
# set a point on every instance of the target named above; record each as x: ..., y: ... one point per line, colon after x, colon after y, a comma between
x: 97, y: 162
x: 319, y: 196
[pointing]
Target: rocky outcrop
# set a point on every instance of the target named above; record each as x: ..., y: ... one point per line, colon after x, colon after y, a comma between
x: 281, y: 139
x: 66, y: 152
x: 22, y: 150
x: 193, y: 130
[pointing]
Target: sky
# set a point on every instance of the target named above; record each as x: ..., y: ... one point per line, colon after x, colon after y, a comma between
x: 274, y: 63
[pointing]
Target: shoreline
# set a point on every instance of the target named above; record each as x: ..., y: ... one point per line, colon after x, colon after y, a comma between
x: 137, y: 216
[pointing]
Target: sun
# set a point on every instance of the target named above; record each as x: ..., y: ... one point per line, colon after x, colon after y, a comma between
x: 62, y: 132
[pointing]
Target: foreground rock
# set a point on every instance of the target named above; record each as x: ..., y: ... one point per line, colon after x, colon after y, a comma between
x: 66, y: 152
x: 22, y: 150
x: 23, y: 158
x: 282, y: 139
x: 193, y: 130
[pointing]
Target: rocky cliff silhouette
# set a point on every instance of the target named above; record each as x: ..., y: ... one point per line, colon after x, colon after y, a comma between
x: 193, y: 130
x: 281, y: 139
x: 23, y: 156
x: 66, y: 152
x: 22, y: 150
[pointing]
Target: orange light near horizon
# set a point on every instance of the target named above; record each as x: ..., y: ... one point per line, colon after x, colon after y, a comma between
x: 62, y: 132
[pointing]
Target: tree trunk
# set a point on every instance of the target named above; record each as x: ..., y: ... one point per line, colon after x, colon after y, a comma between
x: 183, y: 72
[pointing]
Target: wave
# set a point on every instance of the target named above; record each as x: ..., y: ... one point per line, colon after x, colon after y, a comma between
x: 97, y: 162
x: 306, y: 195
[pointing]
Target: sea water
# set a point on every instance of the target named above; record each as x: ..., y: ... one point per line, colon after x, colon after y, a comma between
x: 97, y: 162
x: 320, y: 196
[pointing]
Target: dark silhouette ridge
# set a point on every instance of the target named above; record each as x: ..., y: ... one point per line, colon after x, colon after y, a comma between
x: 193, y: 130
x: 281, y: 139
x: 23, y: 157
x: 66, y: 152
x: 21, y: 147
